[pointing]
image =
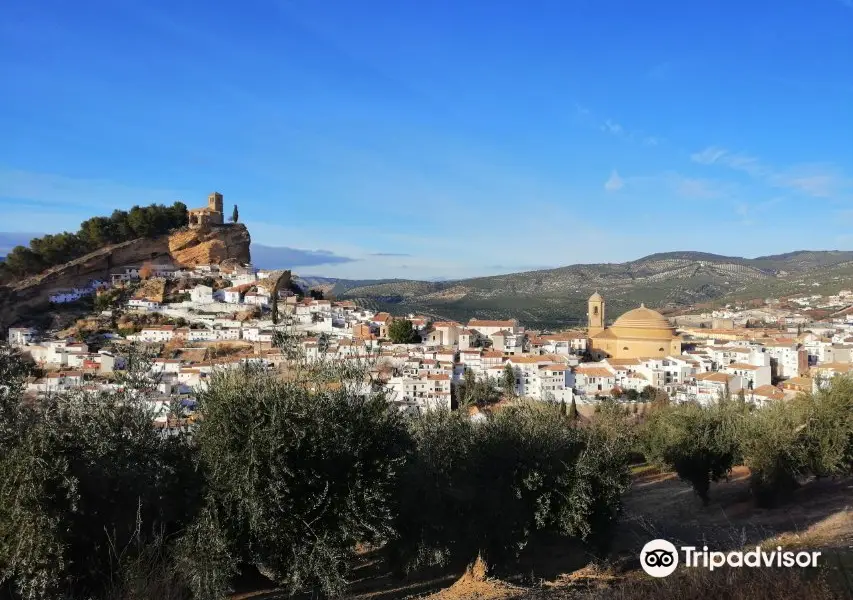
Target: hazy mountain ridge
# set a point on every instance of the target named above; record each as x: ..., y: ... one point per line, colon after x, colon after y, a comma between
x: 557, y: 296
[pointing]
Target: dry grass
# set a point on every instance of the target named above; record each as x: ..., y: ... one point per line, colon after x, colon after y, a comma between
x: 729, y: 584
x: 476, y: 585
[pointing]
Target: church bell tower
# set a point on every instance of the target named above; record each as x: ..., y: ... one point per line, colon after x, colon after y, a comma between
x: 595, y: 314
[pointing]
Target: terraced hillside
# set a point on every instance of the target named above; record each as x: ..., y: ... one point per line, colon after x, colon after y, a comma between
x: 557, y: 297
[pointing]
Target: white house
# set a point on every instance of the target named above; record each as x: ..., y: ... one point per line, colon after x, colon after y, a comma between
x: 164, y: 333
x: 256, y: 298
x: 21, y: 336
x: 231, y: 296
x: 487, y: 327
x: 507, y: 342
x: 752, y: 376
x: 143, y: 304
x: 707, y: 387
x: 65, y: 296
x: 594, y: 380
x: 202, y: 294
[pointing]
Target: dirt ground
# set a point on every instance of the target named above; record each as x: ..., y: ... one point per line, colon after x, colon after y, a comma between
x: 819, y: 516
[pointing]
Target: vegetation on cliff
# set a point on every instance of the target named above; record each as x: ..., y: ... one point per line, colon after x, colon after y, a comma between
x: 94, y: 233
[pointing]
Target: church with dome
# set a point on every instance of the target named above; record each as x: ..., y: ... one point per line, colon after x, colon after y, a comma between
x: 639, y: 333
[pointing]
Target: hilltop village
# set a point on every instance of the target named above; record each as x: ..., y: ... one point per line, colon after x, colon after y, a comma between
x: 219, y: 316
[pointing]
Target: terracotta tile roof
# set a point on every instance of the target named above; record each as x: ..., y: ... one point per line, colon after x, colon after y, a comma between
x: 769, y: 391
x: 624, y: 361
x: 593, y: 372
x: 838, y: 367
x: 712, y: 376
x: 803, y: 383
x: 742, y: 367
x: 529, y: 359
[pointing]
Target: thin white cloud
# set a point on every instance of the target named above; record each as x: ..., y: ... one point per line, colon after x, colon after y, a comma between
x: 614, y: 183
x: 613, y: 127
x: 708, y: 156
x: 816, y: 181
x: 689, y: 187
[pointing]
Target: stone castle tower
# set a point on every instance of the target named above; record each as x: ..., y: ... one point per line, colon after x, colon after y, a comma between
x: 214, y: 202
x: 211, y: 214
x: 595, y: 314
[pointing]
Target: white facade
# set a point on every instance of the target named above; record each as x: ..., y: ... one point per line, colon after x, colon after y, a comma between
x: 202, y: 294
x: 143, y: 304
x: 256, y: 299
x: 231, y: 296
x: 21, y: 336
x: 156, y: 334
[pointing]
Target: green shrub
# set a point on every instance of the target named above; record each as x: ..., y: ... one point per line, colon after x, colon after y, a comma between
x: 296, y: 477
x: 807, y: 436
x: 524, y: 469
x: 88, y: 476
x: 700, y: 443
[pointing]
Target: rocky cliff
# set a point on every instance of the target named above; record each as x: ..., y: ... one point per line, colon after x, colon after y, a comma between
x: 211, y: 247
x: 184, y: 248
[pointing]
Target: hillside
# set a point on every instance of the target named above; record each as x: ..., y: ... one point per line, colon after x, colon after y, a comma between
x: 557, y: 297
x: 187, y: 247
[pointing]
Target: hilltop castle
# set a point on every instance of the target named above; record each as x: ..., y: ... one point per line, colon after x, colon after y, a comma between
x: 209, y: 215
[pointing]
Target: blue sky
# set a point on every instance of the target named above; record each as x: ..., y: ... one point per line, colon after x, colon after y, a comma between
x: 402, y: 138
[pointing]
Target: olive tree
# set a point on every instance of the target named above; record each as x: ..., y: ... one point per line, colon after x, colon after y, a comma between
x: 298, y: 472
x: 700, y: 443
x: 88, y: 482
x: 523, y: 467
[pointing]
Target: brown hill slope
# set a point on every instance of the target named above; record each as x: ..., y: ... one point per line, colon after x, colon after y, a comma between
x: 184, y: 248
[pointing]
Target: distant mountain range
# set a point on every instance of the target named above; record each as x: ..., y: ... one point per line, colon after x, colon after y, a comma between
x: 557, y: 297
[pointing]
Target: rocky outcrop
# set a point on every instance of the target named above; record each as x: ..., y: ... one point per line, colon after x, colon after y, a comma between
x: 185, y: 248
x: 210, y: 246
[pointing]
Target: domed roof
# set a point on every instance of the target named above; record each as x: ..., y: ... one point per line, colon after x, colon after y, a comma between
x: 595, y: 296
x: 642, y: 318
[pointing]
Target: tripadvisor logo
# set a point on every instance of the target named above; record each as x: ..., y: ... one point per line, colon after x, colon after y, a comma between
x: 660, y: 558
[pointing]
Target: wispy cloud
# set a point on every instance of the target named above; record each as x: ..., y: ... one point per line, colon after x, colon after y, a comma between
x: 748, y: 213
x: 390, y: 254
x: 614, y: 183
x: 689, y: 187
x: 817, y: 181
x: 613, y: 127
